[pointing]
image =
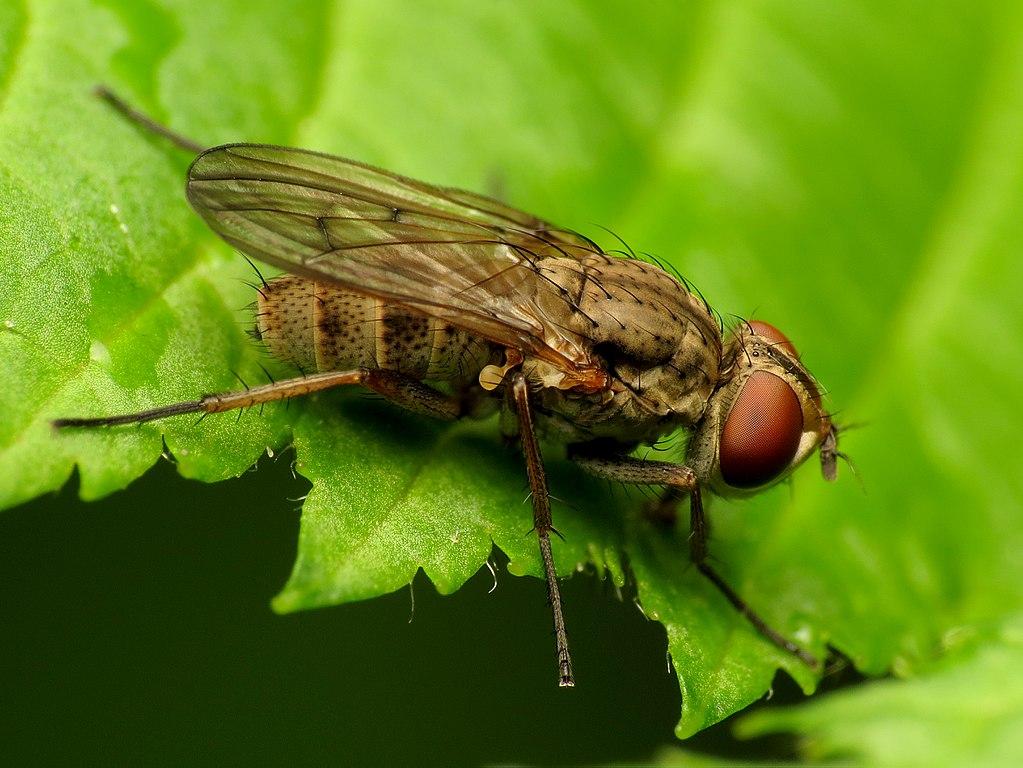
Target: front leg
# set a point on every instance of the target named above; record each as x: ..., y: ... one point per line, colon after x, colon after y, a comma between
x: 678, y: 480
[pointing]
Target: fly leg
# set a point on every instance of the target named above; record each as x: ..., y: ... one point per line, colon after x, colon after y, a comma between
x: 698, y: 551
x: 147, y: 122
x: 542, y: 522
x: 678, y: 480
x: 408, y: 393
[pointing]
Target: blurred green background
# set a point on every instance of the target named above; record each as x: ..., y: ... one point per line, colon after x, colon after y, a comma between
x: 852, y: 172
x: 137, y: 629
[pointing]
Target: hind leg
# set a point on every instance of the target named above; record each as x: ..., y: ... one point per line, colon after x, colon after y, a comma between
x: 409, y: 393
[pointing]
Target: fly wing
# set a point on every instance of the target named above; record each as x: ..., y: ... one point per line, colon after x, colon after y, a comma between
x: 467, y: 259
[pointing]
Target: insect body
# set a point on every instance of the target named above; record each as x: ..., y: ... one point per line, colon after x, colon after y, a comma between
x: 452, y: 304
x: 317, y: 326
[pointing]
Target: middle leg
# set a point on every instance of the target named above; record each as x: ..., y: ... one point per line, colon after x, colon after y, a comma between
x: 542, y: 522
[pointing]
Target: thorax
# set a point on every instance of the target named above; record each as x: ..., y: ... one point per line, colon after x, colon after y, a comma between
x: 658, y: 341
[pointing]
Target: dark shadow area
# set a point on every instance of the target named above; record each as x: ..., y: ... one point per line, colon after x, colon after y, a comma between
x: 138, y: 630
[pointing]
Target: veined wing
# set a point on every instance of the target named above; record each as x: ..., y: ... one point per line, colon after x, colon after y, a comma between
x: 467, y: 259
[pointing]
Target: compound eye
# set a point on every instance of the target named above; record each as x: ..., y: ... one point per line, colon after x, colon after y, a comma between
x: 773, y: 336
x: 762, y: 432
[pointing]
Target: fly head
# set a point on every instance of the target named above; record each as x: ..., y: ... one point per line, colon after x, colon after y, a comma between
x: 765, y: 418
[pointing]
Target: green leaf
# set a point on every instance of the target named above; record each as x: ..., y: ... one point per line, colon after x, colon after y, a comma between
x: 967, y: 711
x: 850, y: 172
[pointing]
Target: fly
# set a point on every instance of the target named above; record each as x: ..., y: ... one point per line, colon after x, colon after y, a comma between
x: 453, y: 305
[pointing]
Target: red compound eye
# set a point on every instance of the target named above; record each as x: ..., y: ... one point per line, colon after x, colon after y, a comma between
x: 773, y: 335
x: 762, y: 431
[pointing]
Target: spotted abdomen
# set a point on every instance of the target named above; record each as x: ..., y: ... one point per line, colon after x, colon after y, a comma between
x: 320, y: 327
